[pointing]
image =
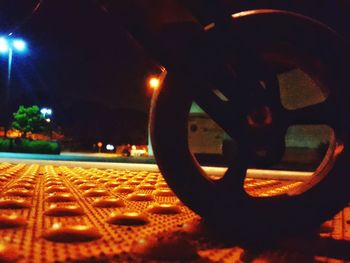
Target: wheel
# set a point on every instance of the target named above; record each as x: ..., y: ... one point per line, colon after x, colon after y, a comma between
x: 259, y: 45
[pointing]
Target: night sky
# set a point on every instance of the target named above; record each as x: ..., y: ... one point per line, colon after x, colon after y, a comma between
x: 77, y: 51
x: 81, y: 63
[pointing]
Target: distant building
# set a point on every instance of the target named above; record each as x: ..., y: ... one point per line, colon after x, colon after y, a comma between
x: 204, y: 135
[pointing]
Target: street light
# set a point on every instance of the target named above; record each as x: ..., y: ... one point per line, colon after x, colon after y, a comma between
x: 154, y: 83
x: 47, y: 113
x: 9, y: 45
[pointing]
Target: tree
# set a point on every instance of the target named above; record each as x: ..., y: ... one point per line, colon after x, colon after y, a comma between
x: 29, y: 119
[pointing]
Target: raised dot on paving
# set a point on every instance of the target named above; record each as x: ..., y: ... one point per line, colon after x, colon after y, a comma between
x: 109, y: 202
x: 140, y: 197
x: 19, y: 192
x: 95, y: 193
x: 56, y: 189
x: 166, y: 247
x: 164, y: 209
x: 11, y: 221
x: 124, y: 189
x: 71, y: 210
x: 162, y: 185
x: 95, y: 177
x: 79, y: 182
x: 103, y: 180
x: 150, y: 181
x: 146, y: 187
x: 113, y: 184
x: 71, y: 234
x: 27, y: 181
x: 8, y: 253
x: 13, y: 204
x: 26, y: 186
x: 51, y: 183
x: 60, y: 197
x: 122, y: 179
x: 133, y: 182
x: 27, y: 177
x: 163, y: 192
x: 87, y: 186
x: 127, y: 219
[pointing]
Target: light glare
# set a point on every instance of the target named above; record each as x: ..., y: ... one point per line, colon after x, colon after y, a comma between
x: 8, y: 44
x: 46, y: 111
x: 154, y: 83
x: 109, y: 147
x: 19, y: 44
x: 3, y: 45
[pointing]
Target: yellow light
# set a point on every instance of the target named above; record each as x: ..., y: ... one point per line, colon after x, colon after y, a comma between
x: 56, y: 225
x: 154, y: 83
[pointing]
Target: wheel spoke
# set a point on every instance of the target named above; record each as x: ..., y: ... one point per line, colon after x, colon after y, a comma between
x: 233, y: 180
x: 224, y: 113
x: 320, y: 113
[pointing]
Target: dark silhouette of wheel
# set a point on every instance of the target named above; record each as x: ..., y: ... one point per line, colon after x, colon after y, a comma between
x: 260, y: 44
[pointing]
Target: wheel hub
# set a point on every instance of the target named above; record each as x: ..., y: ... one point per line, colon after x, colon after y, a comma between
x: 260, y: 117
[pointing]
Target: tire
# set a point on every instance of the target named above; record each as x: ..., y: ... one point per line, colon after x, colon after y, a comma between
x: 223, y: 203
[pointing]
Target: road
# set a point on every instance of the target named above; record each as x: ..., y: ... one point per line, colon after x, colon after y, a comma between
x: 113, y: 161
x: 81, y: 157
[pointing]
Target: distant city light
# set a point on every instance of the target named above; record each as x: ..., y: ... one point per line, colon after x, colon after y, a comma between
x: 109, y: 147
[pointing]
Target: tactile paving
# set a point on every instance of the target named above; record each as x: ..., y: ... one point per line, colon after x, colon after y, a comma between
x: 62, y: 214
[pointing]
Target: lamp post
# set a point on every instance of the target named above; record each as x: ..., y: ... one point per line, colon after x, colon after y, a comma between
x: 47, y: 114
x: 9, y: 45
x: 154, y: 83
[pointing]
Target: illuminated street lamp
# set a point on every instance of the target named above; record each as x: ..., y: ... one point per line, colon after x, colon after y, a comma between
x: 99, y: 145
x: 110, y: 147
x: 154, y: 83
x: 8, y: 46
x: 46, y: 112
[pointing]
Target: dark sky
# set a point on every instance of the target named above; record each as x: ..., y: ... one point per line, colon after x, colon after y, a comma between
x: 81, y: 62
x: 76, y: 51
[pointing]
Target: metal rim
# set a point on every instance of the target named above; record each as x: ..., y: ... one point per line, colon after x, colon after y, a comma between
x: 227, y: 204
